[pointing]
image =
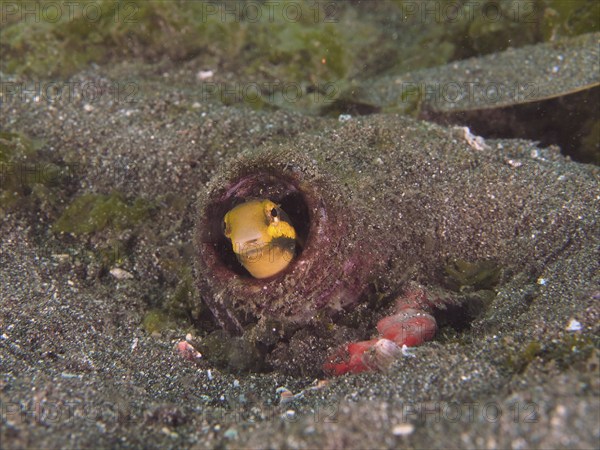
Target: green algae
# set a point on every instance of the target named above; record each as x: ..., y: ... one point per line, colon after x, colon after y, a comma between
x: 518, y: 360
x: 480, y: 28
x: 571, y: 349
x: 568, y: 18
x: 113, y: 253
x: 234, y: 354
x: 157, y: 321
x: 58, y: 39
x: 17, y: 146
x: 183, y: 303
x: 306, y: 39
x: 178, y: 310
x: 55, y: 39
x: 301, y: 55
x: 34, y: 182
x: 104, y: 228
x: 90, y: 213
x: 28, y: 176
x: 462, y: 274
x: 563, y: 353
x: 21, y: 164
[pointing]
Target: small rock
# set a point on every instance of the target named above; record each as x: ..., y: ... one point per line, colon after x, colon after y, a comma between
x: 120, y: 274
x: 475, y: 142
x: 205, y: 74
x: 574, y: 325
x: 403, y: 429
x: 513, y: 162
x: 186, y: 350
x: 231, y: 433
x: 286, y: 396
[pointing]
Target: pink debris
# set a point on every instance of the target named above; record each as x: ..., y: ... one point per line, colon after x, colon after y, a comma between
x: 410, y: 326
x: 186, y: 350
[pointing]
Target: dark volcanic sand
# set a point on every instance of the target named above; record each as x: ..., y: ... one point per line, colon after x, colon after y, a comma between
x: 78, y: 370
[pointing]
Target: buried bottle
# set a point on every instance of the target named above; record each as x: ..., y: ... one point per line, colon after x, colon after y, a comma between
x: 376, y: 204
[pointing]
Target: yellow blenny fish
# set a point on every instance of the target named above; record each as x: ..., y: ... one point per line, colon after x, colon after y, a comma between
x: 262, y: 237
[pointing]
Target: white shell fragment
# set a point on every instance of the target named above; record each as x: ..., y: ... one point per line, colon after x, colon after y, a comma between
x: 120, y: 274
x: 286, y: 396
x: 205, y: 74
x: 407, y: 353
x: 187, y: 350
x: 475, y: 142
x: 574, y: 325
x: 513, y: 162
x: 386, y: 352
x: 403, y: 429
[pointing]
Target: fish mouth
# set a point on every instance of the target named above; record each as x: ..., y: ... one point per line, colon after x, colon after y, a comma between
x: 241, y: 242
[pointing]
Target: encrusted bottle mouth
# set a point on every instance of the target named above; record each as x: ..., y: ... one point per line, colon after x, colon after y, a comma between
x: 329, y: 268
x: 282, y: 190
